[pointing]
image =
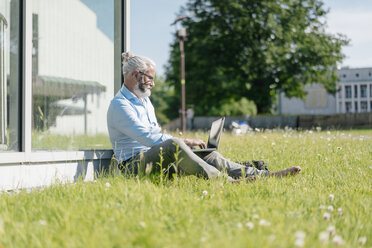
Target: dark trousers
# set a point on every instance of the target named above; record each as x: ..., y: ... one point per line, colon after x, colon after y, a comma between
x: 174, y: 154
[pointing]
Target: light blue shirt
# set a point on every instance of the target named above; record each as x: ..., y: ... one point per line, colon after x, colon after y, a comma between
x: 132, y: 125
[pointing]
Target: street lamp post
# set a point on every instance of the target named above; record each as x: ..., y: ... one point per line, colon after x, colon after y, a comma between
x: 181, y: 34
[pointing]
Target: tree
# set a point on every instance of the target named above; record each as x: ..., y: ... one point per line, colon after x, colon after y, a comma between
x: 163, y: 97
x: 252, y: 49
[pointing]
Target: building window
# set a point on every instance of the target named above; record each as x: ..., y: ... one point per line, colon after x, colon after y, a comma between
x: 356, y: 107
x: 369, y: 74
x: 9, y: 76
x: 363, y: 106
x: 348, y: 91
x: 357, y: 74
x: 370, y: 90
x: 344, y: 76
x: 348, y: 107
x: 355, y: 91
x: 363, y: 91
x: 73, y: 73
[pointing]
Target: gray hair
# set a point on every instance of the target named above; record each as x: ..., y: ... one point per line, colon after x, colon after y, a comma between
x: 132, y: 63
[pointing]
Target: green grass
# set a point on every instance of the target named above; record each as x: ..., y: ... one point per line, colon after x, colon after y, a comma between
x: 117, y: 211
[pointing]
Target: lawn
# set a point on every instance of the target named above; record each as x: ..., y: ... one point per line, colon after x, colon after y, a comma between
x: 328, y: 204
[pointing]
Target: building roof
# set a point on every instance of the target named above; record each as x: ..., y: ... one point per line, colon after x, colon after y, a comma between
x: 65, y: 87
x: 353, y: 75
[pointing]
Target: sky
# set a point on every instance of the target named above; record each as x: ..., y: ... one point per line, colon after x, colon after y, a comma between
x: 151, y: 33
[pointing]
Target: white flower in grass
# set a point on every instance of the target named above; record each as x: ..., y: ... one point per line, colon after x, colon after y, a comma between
x: 142, y: 224
x: 337, y: 240
x: 239, y: 225
x: 205, y: 192
x: 300, y: 235
x: 331, y: 197
x: 328, y: 132
x: 299, y: 243
x: 264, y: 222
x: 339, y: 211
x: 326, y: 216
x: 255, y: 216
x: 329, y: 139
x: 323, y: 237
x: 362, y: 240
x: 331, y: 230
x: 273, y: 143
x: 108, y: 185
x: 339, y: 148
x: 330, y: 208
x: 249, y: 225
x: 43, y: 222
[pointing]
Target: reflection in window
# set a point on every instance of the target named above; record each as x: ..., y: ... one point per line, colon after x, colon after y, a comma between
x: 348, y: 91
x: 9, y: 79
x: 363, y: 91
x: 348, y: 107
x: 73, y: 73
x: 356, y: 107
x: 363, y: 106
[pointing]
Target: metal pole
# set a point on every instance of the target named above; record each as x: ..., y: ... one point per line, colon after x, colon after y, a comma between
x: 183, y: 107
x: 85, y: 114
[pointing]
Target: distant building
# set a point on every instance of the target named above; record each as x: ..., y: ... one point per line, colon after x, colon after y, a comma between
x: 354, y: 90
x: 354, y: 95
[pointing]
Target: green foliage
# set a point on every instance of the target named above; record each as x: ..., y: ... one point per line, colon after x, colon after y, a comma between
x: 163, y: 98
x: 252, y: 49
x: 232, y: 107
x: 119, y: 211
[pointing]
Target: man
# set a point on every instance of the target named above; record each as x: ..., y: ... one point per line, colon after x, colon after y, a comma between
x: 137, y: 140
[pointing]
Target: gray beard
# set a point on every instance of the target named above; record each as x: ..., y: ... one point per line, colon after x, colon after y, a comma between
x: 141, y: 91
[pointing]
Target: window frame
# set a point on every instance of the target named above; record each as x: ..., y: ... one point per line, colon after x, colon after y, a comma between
x: 25, y: 154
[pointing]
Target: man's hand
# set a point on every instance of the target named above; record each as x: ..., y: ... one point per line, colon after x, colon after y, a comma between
x: 195, y: 142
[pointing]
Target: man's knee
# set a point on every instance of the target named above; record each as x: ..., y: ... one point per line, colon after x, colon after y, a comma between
x: 214, y: 155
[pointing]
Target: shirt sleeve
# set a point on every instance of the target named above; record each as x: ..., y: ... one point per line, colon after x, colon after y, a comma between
x: 127, y: 122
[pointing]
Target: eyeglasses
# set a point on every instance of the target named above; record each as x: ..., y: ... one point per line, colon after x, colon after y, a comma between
x: 148, y: 76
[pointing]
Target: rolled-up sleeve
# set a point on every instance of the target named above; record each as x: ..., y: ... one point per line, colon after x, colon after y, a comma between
x: 127, y: 122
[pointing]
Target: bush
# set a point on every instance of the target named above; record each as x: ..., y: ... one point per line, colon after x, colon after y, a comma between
x: 232, y: 107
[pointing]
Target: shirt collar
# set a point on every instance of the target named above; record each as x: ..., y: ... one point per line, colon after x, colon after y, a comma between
x: 129, y: 95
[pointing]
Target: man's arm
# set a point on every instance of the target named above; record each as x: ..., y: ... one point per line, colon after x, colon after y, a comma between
x: 126, y: 121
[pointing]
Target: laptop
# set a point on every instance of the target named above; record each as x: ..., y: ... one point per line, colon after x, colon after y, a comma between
x: 214, y: 136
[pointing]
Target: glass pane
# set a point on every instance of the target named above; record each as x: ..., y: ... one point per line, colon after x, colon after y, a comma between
x: 347, y: 91
x: 348, y: 107
x: 73, y: 73
x: 363, y: 106
x: 363, y: 91
x: 355, y: 91
x: 9, y: 71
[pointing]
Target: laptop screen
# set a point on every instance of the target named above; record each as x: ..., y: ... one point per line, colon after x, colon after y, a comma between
x: 215, y: 133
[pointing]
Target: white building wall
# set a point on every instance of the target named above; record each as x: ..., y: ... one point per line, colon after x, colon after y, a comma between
x: 71, y: 46
x: 317, y: 101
